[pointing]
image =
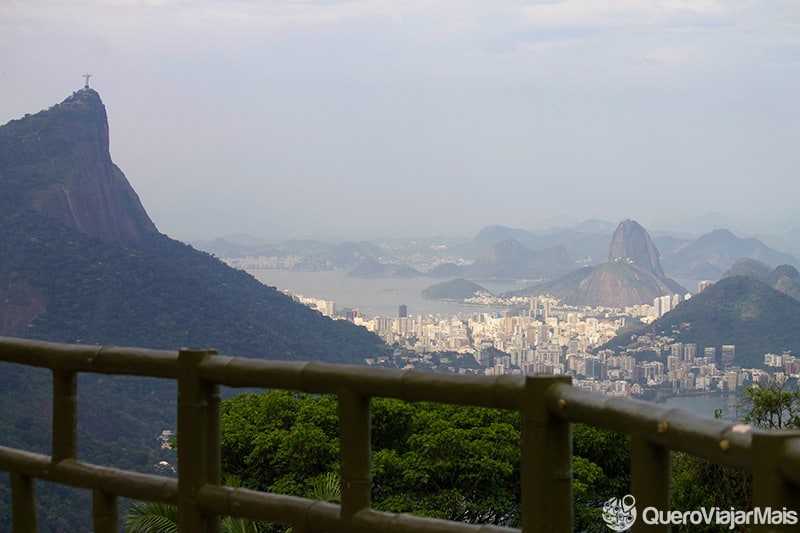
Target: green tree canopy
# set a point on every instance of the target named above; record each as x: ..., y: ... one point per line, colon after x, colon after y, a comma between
x: 451, y: 462
x: 700, y: 483
x: 772, y: 405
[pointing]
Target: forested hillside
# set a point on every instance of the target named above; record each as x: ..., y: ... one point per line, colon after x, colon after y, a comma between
x: 739, y: 310
x: 81, y: 262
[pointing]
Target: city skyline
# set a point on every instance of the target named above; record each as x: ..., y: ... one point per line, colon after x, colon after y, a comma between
x: 367, y: 119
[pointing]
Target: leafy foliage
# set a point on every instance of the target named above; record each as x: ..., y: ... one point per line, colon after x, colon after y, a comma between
x: 457, y: 463
x: 160, y: 293
x: 601, y: 470
x: 772, y: 405
x: 700, y: 483
x: 327, y: 488
x: 149, y: 517
x: 454, y: 463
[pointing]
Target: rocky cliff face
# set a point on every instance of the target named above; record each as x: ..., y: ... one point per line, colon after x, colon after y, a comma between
x: 80, y: 260
x: 617, y: 284
x: 57, y: 162
x: 631, y: 241
x: 632, y: 276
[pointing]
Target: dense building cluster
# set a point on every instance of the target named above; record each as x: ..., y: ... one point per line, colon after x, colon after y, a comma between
x: 544, y: 337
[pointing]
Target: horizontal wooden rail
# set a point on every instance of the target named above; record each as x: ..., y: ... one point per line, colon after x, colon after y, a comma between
x: 74, y: 473
x: 95, y: 359
x: 502, y: 392
x: 315, y: 515
x: 549, y: 405
x: 675, y: 429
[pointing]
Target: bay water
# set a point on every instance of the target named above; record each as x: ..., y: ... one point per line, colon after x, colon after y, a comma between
x: 383, y: 296
x: 374, y: 297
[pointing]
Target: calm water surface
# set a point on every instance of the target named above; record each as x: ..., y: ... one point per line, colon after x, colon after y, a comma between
x: 706, y: 404
x: 382, y: 297
x: 374, y: 297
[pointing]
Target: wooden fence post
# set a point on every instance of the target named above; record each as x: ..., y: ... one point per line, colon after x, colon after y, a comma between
x: 771, y: 490
x: 355, y: 452
x: 23, y: 504
x: 546, y: 461
x: 650, y: 480
x: 65, y: 415
x: 104, y: 506
x: 198, y: 448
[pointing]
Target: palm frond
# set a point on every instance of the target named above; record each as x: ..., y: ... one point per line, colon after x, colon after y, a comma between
x: 151, y: 517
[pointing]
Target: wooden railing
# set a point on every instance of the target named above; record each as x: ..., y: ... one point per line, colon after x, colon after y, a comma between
x: 548, y: 406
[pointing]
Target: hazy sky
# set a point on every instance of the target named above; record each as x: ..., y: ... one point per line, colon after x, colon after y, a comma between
x: 367, y: 118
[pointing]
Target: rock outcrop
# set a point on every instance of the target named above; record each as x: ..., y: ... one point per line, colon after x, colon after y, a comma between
x: 619, y: 284
x: 81, y: 261
x: 632, y: 276
x: 631, y: 241
x: 57, y: 161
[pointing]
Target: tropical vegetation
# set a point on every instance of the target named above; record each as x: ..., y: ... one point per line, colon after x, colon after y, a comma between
x: 443, y: 461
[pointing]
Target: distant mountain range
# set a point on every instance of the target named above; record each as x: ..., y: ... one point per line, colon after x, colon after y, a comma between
x: 710, y: 255
x: 586, y: 243
x: 298, y: 254
x: 500, y: 252
x: 754, y: 307
x: 632, y: 275
x: 509, y: 259
x: 565, y: 263
x: 681, y: 257
x: 371, y: 268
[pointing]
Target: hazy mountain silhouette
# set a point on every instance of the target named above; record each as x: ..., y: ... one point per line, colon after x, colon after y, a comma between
x: 586, y: 243
x: 447, y: 270
x: 509, y: 259
x: 295, y: 254
x: 710, y: 255
x: 784, y: 278
x: 372, y: 268
x: 632, y: 276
